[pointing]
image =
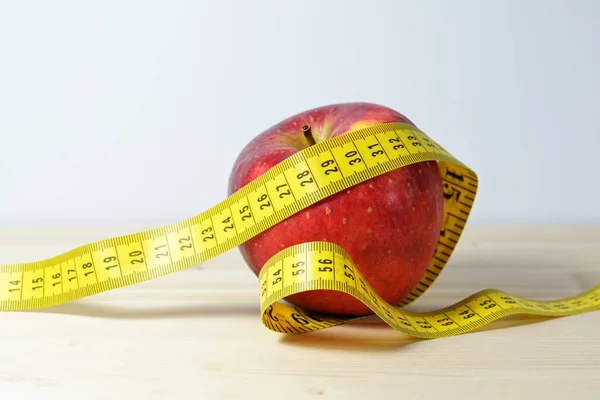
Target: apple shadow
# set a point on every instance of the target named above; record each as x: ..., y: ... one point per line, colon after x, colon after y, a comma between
x: 162, y: 312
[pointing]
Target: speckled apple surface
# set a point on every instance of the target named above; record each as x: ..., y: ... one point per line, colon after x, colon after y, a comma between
x: 389, y: 225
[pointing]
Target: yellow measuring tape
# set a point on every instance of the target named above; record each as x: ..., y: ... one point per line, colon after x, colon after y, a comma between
x: 124, y: 260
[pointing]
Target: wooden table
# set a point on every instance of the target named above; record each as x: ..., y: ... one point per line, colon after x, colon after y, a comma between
x: 198, y: 335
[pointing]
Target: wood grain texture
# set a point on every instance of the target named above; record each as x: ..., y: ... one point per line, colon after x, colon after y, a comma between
x: 197, y: 334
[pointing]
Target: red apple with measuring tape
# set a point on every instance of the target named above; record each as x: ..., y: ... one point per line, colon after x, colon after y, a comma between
x: 389, y: 225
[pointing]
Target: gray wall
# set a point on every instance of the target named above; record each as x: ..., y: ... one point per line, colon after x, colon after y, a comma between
x: 126, y: 111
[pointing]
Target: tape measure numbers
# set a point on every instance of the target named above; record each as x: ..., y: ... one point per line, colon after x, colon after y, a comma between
x: 124, y: 260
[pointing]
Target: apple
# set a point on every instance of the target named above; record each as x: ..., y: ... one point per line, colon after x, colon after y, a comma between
x: 389, y: 225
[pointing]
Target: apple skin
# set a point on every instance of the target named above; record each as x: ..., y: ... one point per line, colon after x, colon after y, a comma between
x: 389, y: 225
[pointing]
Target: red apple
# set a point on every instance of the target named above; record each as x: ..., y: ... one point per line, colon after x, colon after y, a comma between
x: 389, y: 225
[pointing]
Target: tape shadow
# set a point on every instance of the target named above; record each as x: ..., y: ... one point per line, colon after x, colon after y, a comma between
x: 355, y: 336
x: 375, y: 335
x: 96, y: 310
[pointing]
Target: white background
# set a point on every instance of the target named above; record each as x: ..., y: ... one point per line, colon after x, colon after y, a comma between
x: 129, y: 111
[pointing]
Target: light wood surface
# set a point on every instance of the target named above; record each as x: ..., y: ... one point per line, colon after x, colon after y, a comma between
x: 197, y: 334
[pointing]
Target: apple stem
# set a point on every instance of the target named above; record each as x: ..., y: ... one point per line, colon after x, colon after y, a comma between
x: 308, y: 134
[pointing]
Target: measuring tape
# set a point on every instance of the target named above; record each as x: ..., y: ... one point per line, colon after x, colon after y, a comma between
x: 125, y: 260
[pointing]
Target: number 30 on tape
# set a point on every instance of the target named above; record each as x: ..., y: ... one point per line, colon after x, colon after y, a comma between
x: 125, y: 260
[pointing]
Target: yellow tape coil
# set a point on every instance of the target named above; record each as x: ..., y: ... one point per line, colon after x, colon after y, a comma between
x: 124, y: 260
